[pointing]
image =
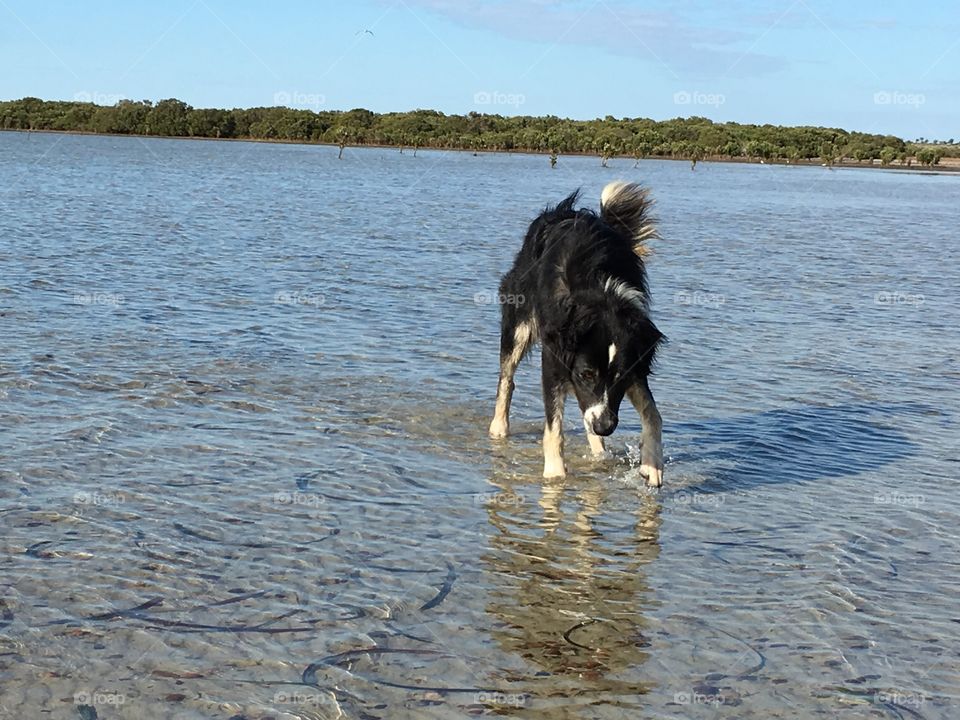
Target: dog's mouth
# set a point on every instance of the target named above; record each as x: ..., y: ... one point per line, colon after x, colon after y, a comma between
x: 605, y: 429
x: 600, y: 420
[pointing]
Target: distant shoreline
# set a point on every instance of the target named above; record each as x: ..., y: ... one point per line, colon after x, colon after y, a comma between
x: 946, y: 166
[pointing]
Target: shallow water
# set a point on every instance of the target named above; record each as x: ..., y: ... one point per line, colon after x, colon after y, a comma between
x: 245, y: 473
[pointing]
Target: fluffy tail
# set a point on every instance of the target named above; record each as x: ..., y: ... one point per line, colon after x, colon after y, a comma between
x: 626, y: 207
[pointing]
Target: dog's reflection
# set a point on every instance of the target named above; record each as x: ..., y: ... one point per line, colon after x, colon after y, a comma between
x: 566, y: 572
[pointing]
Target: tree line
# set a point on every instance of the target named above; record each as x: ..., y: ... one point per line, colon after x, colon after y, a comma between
x: 693, y: 138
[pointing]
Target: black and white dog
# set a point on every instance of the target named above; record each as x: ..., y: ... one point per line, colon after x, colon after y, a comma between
x: 584, y: 290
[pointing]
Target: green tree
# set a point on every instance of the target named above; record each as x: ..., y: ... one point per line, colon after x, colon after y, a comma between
x: 827, y: 153
x: 887, y: 155
x: 343, y: 136
x: 928, y: 156
x: 169, y: 118
x: 641, y: 149
x: 606, y: 154
x: 690, y: 138
x: 210, y: 123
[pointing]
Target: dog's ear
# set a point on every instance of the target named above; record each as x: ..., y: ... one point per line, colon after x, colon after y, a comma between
x: 557, y: 333
x: 559, y: 346
x: 563, y: 309
x: 644, y: 338
x: 639, y: 323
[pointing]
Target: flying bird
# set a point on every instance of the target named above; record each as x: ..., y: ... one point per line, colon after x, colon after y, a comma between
x: 361, y: 32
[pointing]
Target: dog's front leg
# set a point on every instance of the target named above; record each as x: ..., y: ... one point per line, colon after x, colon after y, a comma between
x: 554, y: 395
x: 514, y: 343
x: 596, y: 444
x: 651, y: 452
x: 553, y: 442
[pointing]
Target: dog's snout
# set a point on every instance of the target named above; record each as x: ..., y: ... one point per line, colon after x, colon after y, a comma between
x: 600, y: 419
x: 604, y: 424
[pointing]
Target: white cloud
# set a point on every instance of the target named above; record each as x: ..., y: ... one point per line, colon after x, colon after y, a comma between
x: 665, y: 38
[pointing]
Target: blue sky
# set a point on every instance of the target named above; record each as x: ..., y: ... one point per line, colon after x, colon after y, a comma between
x: 877, y: 67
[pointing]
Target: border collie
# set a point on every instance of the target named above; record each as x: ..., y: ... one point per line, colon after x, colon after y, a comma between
x: 585, y: 300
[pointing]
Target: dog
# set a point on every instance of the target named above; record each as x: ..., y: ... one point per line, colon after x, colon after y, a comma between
x: 583, y: 283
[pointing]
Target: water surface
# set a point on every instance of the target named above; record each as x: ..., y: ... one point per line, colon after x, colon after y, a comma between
x: 244, y: 391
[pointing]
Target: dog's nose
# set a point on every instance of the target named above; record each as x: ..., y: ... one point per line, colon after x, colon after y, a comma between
x: 605, y: 424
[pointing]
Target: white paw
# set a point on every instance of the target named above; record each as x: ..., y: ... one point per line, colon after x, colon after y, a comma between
x: 499, y: 429
x: 653, y: 474
x: 596, y: 444
x: 554, y: 469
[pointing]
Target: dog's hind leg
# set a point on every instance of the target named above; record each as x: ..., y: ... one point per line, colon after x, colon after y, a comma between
x: 554, y: 394
x: 651, y: 452
x: 515, y: 341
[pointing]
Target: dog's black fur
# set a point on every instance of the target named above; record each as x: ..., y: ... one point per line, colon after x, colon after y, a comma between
x: 579, y: 287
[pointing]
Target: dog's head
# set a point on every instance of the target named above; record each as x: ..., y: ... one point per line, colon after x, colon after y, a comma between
x: 598, y: 378
x: 598, y: 364
x: 605, y: 347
